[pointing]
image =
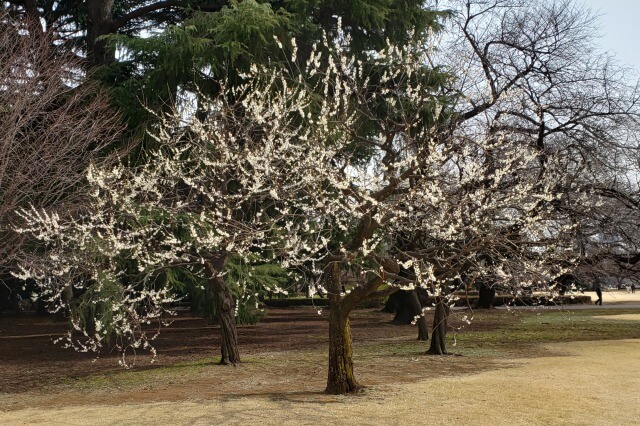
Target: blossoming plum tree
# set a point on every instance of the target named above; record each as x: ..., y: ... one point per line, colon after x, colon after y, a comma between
x: 344, y: 165
x: 205, y: 194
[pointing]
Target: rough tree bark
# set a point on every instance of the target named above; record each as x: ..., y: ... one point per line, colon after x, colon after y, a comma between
x: 439, y: 332
x: 341, y: 379
x: 226, y: 307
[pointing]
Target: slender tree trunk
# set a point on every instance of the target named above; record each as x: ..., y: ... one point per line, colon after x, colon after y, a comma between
x: 439, y: 332
x: 341, y: 379
x: 226, y: 310
x: 67, y: 297
x: 169, y: 95
x: 423, y: 326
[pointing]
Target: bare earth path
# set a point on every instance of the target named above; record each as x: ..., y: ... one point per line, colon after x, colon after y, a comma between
x: 585, y: 383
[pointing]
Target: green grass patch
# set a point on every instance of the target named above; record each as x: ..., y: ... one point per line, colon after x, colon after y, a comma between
x: 521, y: 329
x: 391, y: 349
x: 154, y: 377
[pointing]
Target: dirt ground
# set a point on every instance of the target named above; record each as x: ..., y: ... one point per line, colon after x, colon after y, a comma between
x: 584, y: 385
x: 32, y: 363
x: 284, y: 369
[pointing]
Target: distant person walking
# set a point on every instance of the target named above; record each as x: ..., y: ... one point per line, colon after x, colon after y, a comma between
x: 598, y: 290
x: 633, y: 289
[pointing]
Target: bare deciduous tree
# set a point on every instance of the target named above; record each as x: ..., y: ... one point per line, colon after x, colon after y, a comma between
x: 534, y: 72
x: 52, y: 128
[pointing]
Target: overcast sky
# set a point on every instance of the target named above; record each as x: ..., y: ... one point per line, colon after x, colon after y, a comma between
x: 620, y: 28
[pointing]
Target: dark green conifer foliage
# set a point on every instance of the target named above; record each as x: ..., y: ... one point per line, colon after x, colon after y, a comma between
x: 194, y: 56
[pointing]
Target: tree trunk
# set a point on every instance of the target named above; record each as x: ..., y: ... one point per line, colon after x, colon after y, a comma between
x: 423, y: 326
x: 66, y: 296
x: 99, y: 23
x: 407, y: 308
x: 226, y: 310
x: 486, y: 295
x: 341, y: 379
x: 392, y: 303
x: 439, y: 332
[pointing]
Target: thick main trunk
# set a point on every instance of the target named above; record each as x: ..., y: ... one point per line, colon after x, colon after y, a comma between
x: 392, y: 303
x: 407, y: 308
x: 99, y: 23
x: 340, y: 379
x: 439, y: 332
x: 486, y: 294
x: 226, y: 310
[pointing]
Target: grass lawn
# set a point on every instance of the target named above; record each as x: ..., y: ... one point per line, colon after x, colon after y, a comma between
x: 508, y: 368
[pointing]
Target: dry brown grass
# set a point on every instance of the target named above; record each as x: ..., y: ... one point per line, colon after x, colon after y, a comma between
x: 584, y: 383
x: 516, y: 368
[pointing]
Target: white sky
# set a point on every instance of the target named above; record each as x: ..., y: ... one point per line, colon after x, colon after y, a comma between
x: 620, y: 28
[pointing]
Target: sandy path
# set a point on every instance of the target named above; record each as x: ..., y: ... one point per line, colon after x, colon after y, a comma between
x: 585, y: 383
x: 616, y: 296
x: 625, y: 317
